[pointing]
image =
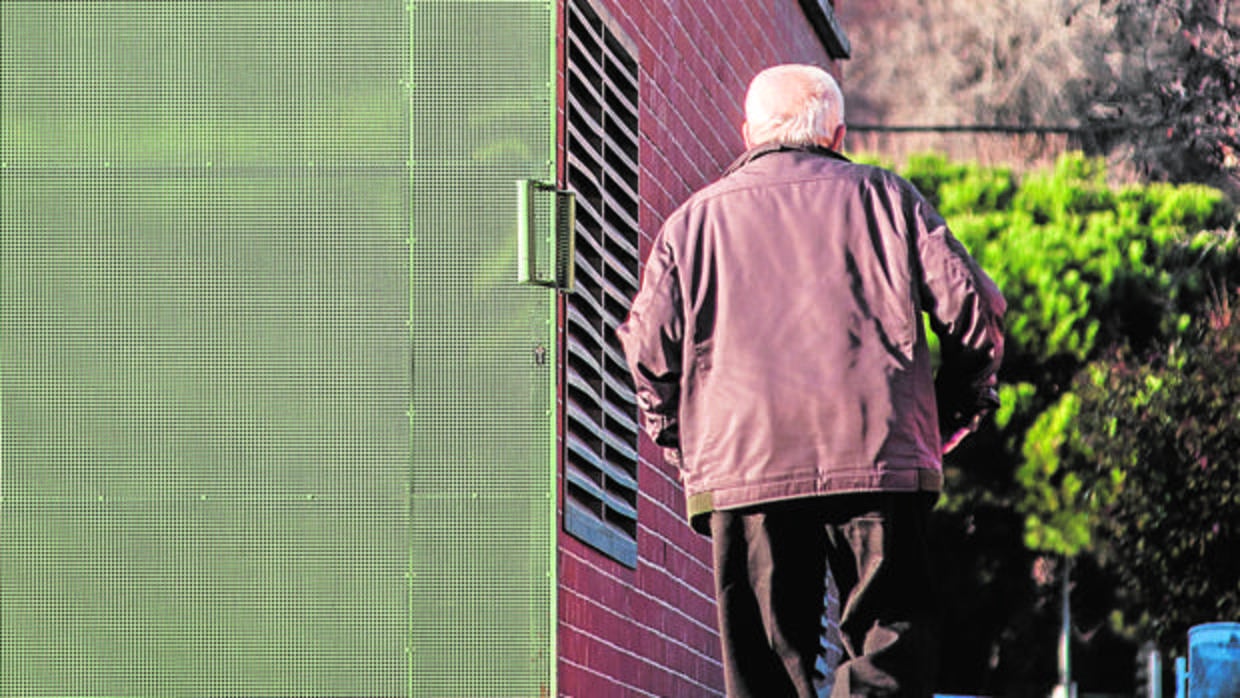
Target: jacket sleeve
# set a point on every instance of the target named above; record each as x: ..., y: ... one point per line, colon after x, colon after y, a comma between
x: 652, y: 338
x: 965, y: 310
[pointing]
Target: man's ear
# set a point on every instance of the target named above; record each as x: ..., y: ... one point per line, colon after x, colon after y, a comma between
x: 745, y: 134
x: 837, y: 139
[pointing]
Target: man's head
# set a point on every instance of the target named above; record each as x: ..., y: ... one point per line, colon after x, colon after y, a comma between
x: 794, y: 104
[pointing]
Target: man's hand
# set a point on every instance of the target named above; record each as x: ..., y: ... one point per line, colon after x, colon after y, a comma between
x: 951, y: 442
x: 958, y: 419
x: 671, y: 456
x: 954, y: 440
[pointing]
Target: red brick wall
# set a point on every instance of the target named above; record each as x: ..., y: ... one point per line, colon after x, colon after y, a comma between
x: 651, y: 631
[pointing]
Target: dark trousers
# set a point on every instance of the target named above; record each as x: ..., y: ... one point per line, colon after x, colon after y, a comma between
x: 773, y: 565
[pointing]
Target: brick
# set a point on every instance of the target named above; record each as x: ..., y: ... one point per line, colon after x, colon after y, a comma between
x: 651, y: 631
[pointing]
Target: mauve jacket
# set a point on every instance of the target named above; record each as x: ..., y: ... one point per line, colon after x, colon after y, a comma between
x: 777, y: 343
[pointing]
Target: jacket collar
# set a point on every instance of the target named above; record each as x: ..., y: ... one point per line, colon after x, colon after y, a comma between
x: 768, y: 148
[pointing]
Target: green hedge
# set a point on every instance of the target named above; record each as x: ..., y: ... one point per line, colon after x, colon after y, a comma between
x: 1081, y: 263
x: 1090, y: 271
x: 1087, y: 268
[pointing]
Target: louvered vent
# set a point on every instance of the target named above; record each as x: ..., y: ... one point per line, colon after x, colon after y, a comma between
x: 600, y: 504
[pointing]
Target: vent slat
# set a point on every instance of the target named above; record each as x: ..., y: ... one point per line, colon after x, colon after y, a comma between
x: 601, y: 146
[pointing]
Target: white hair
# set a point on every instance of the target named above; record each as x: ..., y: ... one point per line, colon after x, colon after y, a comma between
x: 794, y: 104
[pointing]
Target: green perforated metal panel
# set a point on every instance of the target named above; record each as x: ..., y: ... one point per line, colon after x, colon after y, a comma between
x: 483, y: 504
x: 204, y: 348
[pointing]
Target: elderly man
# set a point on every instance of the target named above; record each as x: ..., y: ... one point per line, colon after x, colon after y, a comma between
x: 780, y: 357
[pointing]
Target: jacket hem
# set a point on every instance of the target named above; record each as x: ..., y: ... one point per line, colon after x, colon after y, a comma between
x: 700, y: 504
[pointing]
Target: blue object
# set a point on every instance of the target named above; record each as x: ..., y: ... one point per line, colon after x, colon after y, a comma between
x: 1214, y: 660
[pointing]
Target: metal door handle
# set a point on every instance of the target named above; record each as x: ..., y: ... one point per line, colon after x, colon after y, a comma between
x: 561, y: 208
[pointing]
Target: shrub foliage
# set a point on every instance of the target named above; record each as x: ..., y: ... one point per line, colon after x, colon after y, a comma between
x: 1158, y: 437
x: 1094, y: 453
